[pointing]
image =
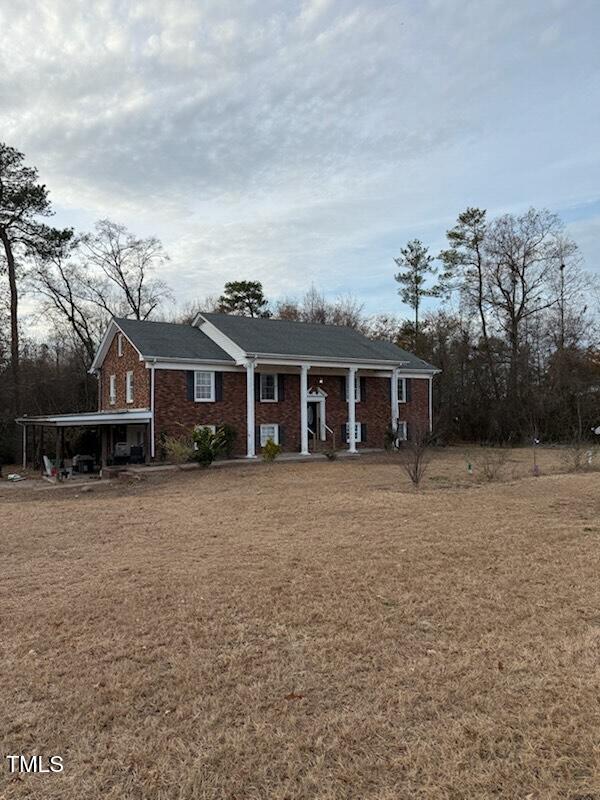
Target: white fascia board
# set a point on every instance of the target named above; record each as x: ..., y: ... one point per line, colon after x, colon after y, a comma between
x: 91, y: 419
x: 102, y: 350
x: 186, y: 363
x: 225, y: 343
x: 322, y: 363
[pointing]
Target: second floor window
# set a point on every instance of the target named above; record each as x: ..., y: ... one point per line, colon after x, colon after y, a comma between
x: 129, y: 387
x: 268, y: 388
x: 204, y: 386
x: 402, y: 390
x: 112, y: 390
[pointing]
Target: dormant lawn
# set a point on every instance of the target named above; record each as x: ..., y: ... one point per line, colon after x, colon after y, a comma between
x: 305, y: 631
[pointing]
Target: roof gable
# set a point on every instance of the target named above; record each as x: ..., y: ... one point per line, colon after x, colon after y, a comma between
x: 162, y: 340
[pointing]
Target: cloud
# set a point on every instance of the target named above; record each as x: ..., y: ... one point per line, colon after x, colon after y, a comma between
x: 301, y: 141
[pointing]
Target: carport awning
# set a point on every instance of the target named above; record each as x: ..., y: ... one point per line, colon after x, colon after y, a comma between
x: 89, y: 420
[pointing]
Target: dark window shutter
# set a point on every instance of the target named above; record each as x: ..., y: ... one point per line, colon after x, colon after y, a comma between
x: 363, y: 390
x: 344, y: 429
x: 190, y: 384
x: 408, y: 390
x: 257, y: 437
x: 257, y: 385
x: 282, y: 435
x: 343, y: 387
x: 281, y: 388
x: 407, y: 431
x: 390, y: 386
x: 363, y: 432
x: 218, y: 386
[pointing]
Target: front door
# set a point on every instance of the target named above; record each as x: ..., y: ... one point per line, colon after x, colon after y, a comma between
x: 314, y: 421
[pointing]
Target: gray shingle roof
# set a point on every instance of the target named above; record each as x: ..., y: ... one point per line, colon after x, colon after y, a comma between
x: 171, y: 340
x: 286, y: 338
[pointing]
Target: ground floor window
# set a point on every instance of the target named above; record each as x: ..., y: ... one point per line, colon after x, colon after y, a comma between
x: 269, y: 432
x: 211, y: 428
x: 358, y: 432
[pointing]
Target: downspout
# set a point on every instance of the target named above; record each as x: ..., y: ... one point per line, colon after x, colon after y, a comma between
x: 430, y: 403
x: 152, y: 447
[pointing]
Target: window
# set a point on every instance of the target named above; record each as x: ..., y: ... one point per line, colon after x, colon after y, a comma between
x: 204, y: 387
x: 268, y: 388
x: 401, y: 433
x: 112, y: 390
x: 402, y: 390
x: 129, y: 387
x: 356, y: 389
x: 211, y: 428
x: 269, y: 432
x: 119, y: 344
x: 357, y: 432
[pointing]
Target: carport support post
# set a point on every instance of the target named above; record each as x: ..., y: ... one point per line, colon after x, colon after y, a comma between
x: 59, y: 447
x: 103, y: 446
x: 24, y: 446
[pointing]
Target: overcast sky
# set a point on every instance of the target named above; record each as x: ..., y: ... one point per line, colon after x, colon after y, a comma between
x: 298, y: 142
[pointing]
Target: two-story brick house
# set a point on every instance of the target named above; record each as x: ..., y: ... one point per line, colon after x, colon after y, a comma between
x: 300, y: 384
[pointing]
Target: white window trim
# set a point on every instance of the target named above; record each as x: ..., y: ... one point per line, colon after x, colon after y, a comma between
x: 403, y: 393
x: 210, y: 399
x: 356, y: 389
x: 401, y: 431
x: 262, y: 399
x: 119, y: 344
x: 112, y: 389
x: 129, y: 386
x: 263, y: 434
x: 358, y: 436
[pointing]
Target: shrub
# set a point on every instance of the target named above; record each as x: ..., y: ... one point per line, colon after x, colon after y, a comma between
x: 178, y: 449
x: 271, y: 450
x: 207, y: 445
x: 492, y: 462
x: 229, y: 435
x: 415, y: 455
x: 578, y: 455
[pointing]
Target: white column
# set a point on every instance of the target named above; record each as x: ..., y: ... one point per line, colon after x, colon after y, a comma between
x: 24, y: 446
x: 394, y: 396
x: 304, y: 409
x: 352, y: 410
x: 152, y: 383
x: 250, y: 451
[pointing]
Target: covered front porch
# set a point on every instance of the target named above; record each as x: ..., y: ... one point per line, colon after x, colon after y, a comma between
x: 117, y: 437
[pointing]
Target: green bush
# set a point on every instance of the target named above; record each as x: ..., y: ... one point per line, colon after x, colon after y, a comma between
x: 271, y: 450
x: 207, y: 445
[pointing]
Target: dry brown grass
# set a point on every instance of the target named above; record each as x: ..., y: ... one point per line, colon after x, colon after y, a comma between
x: 305, y: 631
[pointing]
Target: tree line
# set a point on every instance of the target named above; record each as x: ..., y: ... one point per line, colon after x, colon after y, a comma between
x: 514, y: 332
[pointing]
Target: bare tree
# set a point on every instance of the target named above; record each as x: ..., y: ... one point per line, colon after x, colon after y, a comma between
x: 521, y: 252
x: 119, y: 271
x: 415, y: 454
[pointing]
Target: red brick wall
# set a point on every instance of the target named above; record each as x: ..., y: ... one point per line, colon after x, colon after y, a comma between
x: 416, y: 412
x: 175, y: 413
x: 119, y: 365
